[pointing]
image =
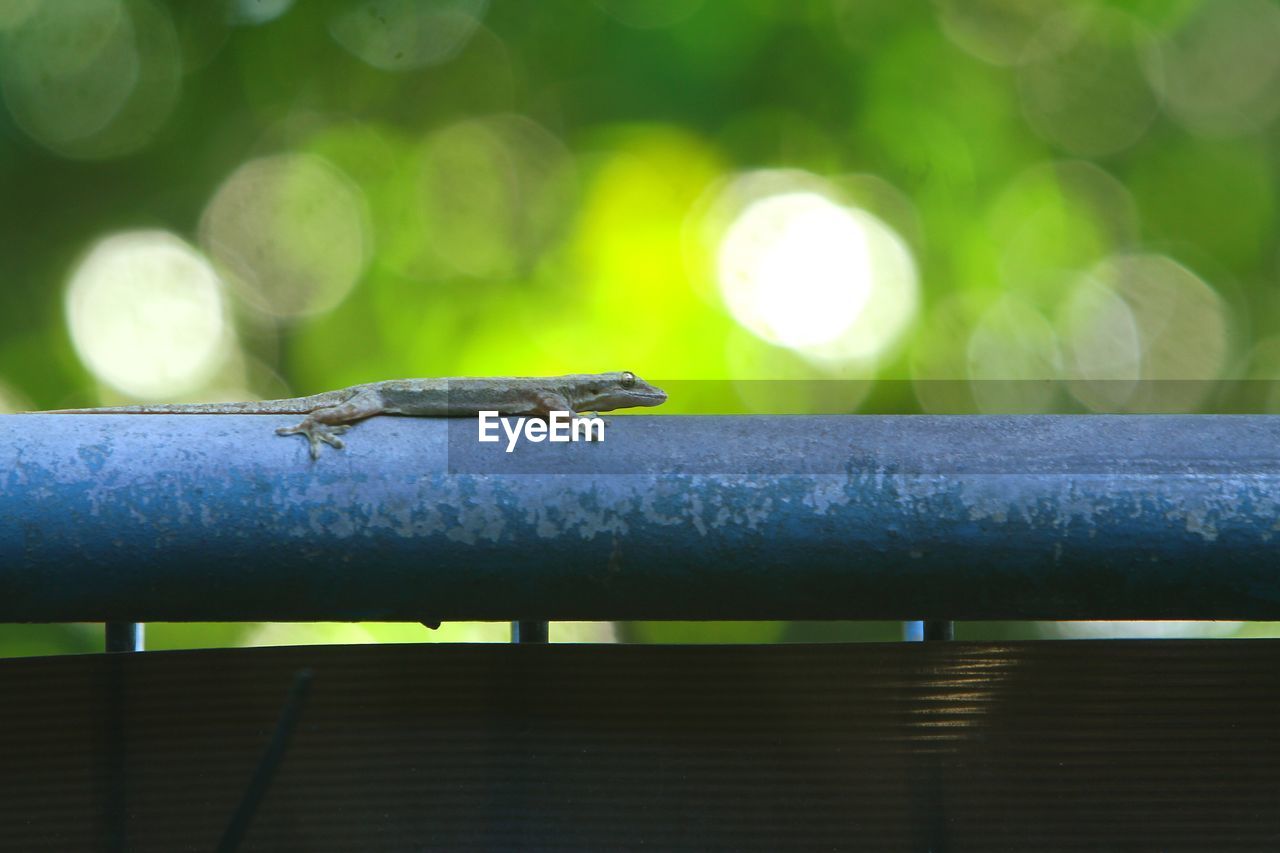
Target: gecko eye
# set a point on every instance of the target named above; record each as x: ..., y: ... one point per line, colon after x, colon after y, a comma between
x: 628, y: 379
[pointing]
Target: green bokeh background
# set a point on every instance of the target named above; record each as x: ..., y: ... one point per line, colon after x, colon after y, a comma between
x: 531, y: 187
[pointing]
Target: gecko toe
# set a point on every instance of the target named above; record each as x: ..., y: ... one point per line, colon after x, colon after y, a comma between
x: 315, y: 434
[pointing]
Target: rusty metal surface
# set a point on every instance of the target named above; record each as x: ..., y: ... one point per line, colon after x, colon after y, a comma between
x: 157, y: 518
x: 1129, y: 745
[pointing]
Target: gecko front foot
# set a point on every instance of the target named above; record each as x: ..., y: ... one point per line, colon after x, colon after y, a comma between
x: 315, y: 433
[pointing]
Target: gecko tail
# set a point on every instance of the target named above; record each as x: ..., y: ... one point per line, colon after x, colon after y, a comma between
x: 271, y: 407
x: 105, y: 410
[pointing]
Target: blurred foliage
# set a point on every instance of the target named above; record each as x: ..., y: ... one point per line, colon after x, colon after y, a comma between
x: 963, y: 190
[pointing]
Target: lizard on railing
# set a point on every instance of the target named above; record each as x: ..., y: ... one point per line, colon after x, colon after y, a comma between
x: 332, y: 413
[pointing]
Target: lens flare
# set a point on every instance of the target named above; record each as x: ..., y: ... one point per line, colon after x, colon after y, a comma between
x: 1086, y: 91
x: 1220, y: 71
x: 1011, y: 352
x: 804, y: 272
x: 257, y: 12
x: 401, y: 35
x: 1143, y: 333
x: 1064, y: 215
x: 91, y: 79
x: 292, y: 233
x: 493, y: 193
x: 147, y: 316
x: 995, y: 31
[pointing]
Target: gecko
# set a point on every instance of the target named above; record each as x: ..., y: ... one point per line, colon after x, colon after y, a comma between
x: 332, y: 413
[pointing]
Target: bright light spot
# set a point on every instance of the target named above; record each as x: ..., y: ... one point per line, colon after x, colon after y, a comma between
x: 92, y: 78
x: 1220, y: 73
x: 146, y: 315
x: 832, y: 282
x: 1086, y: 90
x: 400, y: 35
x: 649, y: 14
x: 254, y: 12
x: 719, y: 206
x: 1143, y: 333
x: 1011, y: 348
x: 794, y: 269
x: 292, y: 233
x: 1140, y: 630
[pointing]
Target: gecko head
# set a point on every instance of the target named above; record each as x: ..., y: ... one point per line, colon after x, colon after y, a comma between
x: 621, y: 390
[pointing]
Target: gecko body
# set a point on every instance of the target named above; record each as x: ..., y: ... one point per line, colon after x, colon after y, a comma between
x: 328, y: 415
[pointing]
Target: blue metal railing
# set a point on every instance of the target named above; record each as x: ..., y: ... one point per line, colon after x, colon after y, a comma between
x: 145, y: 518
